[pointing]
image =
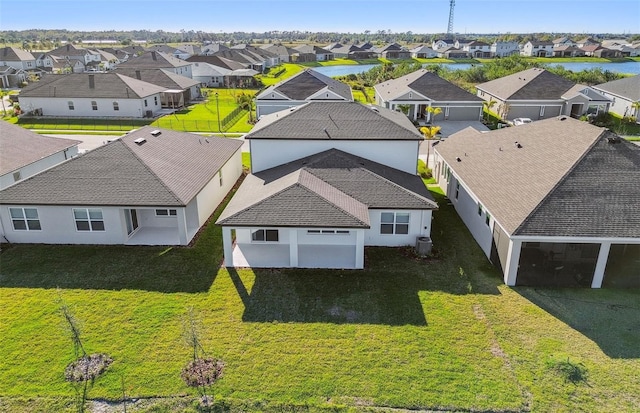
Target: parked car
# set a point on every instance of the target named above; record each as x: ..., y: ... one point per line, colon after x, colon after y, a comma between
x: 521, y: 121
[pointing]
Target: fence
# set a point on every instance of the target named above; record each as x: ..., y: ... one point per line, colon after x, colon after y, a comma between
x: 120, y: 125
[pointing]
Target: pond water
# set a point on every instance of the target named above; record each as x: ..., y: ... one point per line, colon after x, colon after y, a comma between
x: 623, y: 67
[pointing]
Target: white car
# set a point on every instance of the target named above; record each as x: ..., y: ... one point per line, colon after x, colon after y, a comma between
x: 521, y: 121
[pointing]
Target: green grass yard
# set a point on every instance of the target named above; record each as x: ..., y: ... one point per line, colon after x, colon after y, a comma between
x: 442, y: 333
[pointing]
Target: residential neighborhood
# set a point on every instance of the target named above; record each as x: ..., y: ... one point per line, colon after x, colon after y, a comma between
x: 373, y: 221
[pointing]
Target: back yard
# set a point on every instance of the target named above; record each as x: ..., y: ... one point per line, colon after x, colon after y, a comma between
x: 436, y: 334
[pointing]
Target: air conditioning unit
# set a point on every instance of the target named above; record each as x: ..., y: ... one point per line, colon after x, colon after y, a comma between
x: 424, y: 246
x: 149, y: 114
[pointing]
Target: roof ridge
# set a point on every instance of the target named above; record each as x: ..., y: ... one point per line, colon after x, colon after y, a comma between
x: 561, y: 180
x: 121, y: 141
x: 411, y: 193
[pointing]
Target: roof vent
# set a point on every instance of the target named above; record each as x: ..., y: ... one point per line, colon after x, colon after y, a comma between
x: 613, y: 139
x: 458, y: 159
x: 140, y: 141
x: 518, y: 145
x: 562, y: 118
x: 155, y: 132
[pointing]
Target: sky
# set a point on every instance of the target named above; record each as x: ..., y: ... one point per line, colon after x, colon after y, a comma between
x: 348, y: 16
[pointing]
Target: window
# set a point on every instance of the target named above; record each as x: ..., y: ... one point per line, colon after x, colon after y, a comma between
x: 25, y: 219
x: 220, y: 176
x: 116, y: 106
x: 394, y: 223
x: 541, y: 111
x: 479, y: 209
x: 146, y: 103
x: 457, y: 189
x: 267, y: 235
x: 88, y: 219
x: 71, y: 106
x: 155, y: 100
x: 166, y: 212
x: 487, y: 218
x: 17, y: 176
x: 94, y: 105
x: 327, y: 231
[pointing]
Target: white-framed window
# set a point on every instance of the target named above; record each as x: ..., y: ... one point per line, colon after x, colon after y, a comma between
x: 487, y: 218
x: 155, y: 100
x: 94, y: 105
x: 265, y: 235
x: 71, y: 105
x: 25, y: 219
x: 88, y: 219
x: 116, y: 106
x: 394, y: 223
x: 220, y: 176
x: 327, y: 231
x: 166, y: 212
x: 457, y: 189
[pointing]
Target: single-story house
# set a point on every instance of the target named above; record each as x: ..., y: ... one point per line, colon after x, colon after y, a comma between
x: 321, y: 211
x: 180, y: 90
x: 624, y: 94
x: 551, y: 203
x: 92, y: 95
x: 307, y: 53
x: 392, y: 51
x: 423, y: 52
x: 150, y: 187
x: 423, y: 89
x: 158, y: 60
x: 453, y: 53
x: 208, y: 74
x: 24, y: 153
x: 371, y: 132
x: 539, y: 94
x: 299, y: 89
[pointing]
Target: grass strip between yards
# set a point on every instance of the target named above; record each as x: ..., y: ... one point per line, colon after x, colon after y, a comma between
x: 441, y: 333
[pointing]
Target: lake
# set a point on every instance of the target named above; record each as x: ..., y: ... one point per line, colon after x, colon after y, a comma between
x: 624, y: 67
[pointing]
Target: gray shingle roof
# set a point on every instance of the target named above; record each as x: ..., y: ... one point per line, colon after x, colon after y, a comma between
x: 13, y: 54
x: 335, y: 120
x: 161, y: 77
x: 599, y: 197
x: 154, y: 60
x: 303, y: 85
x: 428, y: 84
x: 20, y: 147
x: 328, y: 189
x: 166, y: 170
x: 628, y: 87
x: 78, y: 85
x: 509, y: 181
x: 530, y: 84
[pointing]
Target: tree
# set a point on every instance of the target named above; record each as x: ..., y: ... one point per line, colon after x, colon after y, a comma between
x: 429, y: 132
x: 245, y: 102
x: 487, y: 105
x: 433, y: 112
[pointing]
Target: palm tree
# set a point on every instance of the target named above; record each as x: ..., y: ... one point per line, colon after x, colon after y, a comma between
x: 429, y: 132
x: 433, y: 112
x: 487, y: 105
x: 636, y: 109
x: 245, y: 102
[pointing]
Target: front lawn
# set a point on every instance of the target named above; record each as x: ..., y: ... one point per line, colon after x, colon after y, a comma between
x: 442, y: 333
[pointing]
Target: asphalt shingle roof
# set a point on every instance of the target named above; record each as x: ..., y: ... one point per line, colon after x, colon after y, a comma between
x: 20, y: 147
x: 510, y: 181
x: 428, y: 84
x: 628, y: 87
x: 78, y: 85
x: 530, y: 84
x: 169, y: 169
x: 328, y: 189
x: 154, y: 60
x: 13, y: 54
x: 335, y: 120
x: 307, y: 83
x: 161, y: 77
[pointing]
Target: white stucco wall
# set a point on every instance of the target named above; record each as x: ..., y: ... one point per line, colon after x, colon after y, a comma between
x: 619, y: 105
x: 38, y: 166
x: 267, y: 153
x: 419, y: 226
x: 212, y: 194
x: 58, y: 226
x: 266, y: 107
x: 128, y: 108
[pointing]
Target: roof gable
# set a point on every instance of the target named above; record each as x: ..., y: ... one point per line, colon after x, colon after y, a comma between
x: 427, y: 84
x: 153, y: 60
x: 628, y: 87
x: 308, y: 83
x: 530, y: 84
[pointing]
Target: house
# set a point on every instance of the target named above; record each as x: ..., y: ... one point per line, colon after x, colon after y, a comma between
x: 587, y: 41
x: 352, y: 52
x: 212, y: 49
x: 562, y: 42
x: 462, y: 43
x: 269, y: 58
x: 159, y: 60
x: 537, y: 48
x: 179, y: 90
x: 24, y: 153
x: 209, y: 75
x: 504, y: 49
x: 452, y: 53
x: 624, y: 94
x: 150, y: 187
x: 603, y: 52
x: 392, y: 51
x: 246, y: 59
x: 184, y: 51
x: 440, y: 44
x: 70, y: 51
x: 423, y: 52
x: 567, y: 51
x: 478, y: 49
x: 281, y: 51
x: 371, y: 132
x: 307, y: 53
x: 299, y: 89
x: 422, y: 89
x: 92, y: 95
x: 17, y: 58
x: 551, y: 203
x: 539, y: 94
x: 327, y: 179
